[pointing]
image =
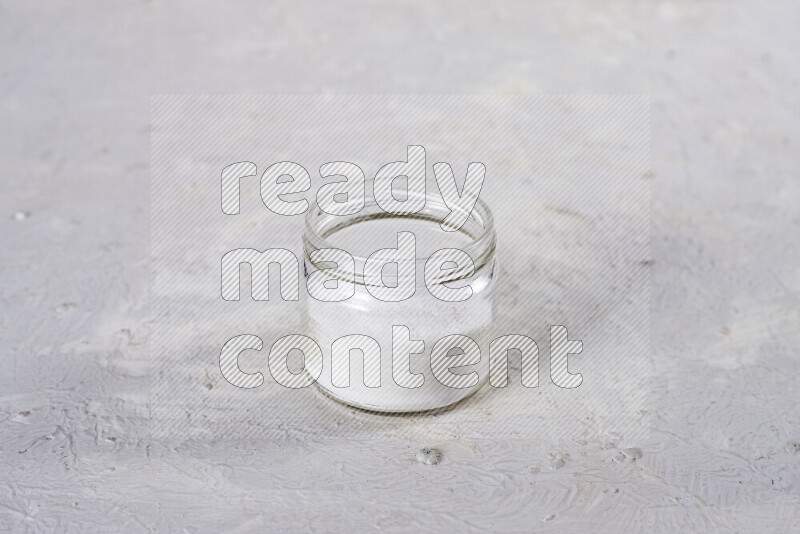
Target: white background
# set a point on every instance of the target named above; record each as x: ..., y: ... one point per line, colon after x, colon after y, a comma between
x: 75, y: 451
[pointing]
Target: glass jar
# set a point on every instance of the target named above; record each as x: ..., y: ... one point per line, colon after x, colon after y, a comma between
x: 380, y: 382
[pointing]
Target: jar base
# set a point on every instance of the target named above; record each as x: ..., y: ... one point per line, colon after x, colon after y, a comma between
x: 397, y: 411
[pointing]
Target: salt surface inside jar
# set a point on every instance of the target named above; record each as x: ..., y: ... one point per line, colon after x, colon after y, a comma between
x: 377, y: 382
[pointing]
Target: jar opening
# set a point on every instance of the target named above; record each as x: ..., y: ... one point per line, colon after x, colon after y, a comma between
x: 371, y: 229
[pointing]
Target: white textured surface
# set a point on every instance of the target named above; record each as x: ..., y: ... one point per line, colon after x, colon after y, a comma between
x: 724, y: 416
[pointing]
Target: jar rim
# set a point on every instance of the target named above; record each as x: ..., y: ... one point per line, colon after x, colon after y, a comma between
x: 318, y: 226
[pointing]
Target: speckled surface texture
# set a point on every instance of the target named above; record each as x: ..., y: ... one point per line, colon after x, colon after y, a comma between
x: 723, y: 448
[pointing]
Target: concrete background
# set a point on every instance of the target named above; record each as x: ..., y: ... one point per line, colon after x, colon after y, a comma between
x: 723, y: 452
